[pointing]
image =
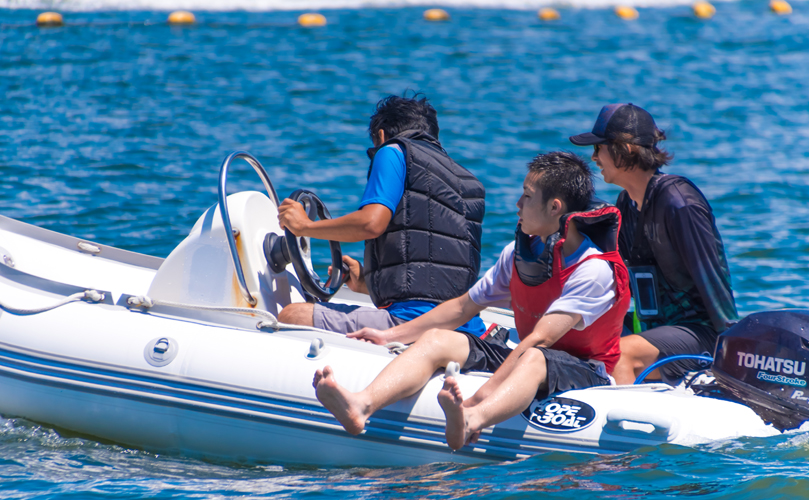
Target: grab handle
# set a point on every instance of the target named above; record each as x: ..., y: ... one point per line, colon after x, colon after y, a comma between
x: 223, y: 210
x: 620, y: 420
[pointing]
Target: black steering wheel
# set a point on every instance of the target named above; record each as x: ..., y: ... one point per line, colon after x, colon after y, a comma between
x: 280, y: 251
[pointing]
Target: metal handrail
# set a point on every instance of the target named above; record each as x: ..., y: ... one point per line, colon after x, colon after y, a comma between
x: 223, y: 208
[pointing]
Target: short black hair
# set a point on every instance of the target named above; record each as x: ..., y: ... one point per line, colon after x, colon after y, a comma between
x: 563, y: 175
x: 396, y: 114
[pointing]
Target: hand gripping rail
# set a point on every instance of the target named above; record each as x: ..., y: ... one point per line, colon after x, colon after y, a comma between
x: 223, y: 207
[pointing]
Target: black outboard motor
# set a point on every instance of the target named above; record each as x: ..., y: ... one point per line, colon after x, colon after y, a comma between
x: 762, y: 361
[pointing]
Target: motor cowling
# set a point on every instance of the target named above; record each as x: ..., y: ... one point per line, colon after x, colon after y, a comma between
x: 762, y: 361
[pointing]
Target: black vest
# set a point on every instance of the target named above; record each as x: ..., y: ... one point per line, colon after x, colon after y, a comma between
x: 430, y: 250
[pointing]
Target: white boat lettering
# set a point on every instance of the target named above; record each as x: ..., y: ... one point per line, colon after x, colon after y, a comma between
x: 773, y: 364
x: 780, y: 379
x: 561, y: 415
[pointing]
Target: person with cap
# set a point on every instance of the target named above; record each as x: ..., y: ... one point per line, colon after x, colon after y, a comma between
x: 670, y: 243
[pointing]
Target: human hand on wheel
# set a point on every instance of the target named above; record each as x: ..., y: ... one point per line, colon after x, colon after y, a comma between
x: 355, y: 281
x: 292, y: 216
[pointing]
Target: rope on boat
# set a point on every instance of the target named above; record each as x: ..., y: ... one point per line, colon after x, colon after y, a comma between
x: 88, y: 295
x: 269, y: 321
x: 145, y: 302
x: 396, y: 347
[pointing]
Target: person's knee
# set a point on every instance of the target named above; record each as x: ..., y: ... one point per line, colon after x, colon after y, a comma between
x: 532, y: 357
x: 441, y: 345
x: 637, y: 351
x: 297, y: 314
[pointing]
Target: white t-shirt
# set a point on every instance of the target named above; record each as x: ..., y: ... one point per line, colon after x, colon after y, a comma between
x: 589, y: 291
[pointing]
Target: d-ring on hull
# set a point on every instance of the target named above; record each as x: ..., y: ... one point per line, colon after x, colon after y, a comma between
x: 214, y: 378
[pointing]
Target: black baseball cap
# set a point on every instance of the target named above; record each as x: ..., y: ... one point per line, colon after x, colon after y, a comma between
x: 615, y: 119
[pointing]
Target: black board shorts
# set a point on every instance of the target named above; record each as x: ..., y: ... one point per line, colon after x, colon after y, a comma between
x: 671, y: 340
x: 486, y: 355
x: 567, y: 372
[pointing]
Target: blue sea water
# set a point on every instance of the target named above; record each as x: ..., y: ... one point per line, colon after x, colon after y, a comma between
x: 113, y: 127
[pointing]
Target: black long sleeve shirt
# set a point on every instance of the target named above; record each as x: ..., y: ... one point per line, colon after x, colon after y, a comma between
x: 680, y: 238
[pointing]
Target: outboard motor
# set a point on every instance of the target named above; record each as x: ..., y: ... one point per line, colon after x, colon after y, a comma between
x: 762, y: 361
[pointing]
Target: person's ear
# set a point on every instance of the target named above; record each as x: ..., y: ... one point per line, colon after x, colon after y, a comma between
x: 381, y: 136
x: 557, y: 207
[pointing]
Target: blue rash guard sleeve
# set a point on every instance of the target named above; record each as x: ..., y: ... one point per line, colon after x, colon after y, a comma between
x: 387, y: 181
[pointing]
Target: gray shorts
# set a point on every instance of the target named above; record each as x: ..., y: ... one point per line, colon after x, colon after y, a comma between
x: 343, y: 318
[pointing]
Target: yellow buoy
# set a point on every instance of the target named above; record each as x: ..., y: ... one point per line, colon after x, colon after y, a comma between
x: 436, y: 15
x: 704, y: 10
x: 312, y: 19
x: 50, y: 19
x: 781, y: 7
x: 626, y: 12
x: 182, y: 17
x: 548, y: 14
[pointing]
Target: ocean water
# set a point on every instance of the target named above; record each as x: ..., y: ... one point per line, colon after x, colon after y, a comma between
x: 113, y: 128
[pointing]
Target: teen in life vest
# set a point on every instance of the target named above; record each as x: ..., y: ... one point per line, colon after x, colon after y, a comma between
x: 571, y: 293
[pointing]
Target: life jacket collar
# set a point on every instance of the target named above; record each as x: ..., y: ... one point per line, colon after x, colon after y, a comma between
x: 600, y: 222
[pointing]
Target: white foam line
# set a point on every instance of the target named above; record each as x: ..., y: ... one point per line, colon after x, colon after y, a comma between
x: 304, y: 5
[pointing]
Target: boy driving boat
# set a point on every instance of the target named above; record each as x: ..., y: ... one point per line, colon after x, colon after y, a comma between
x: 420, y: 217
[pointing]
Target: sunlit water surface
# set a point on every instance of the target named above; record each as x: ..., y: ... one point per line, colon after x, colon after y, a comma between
x: 113, y: 128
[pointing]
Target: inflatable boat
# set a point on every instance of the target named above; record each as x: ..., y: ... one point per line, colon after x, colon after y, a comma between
x: 185, y: 355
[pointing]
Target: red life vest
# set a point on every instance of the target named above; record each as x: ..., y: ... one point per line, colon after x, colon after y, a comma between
x: 600, y: 340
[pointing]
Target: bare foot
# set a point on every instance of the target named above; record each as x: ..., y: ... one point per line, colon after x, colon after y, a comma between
x: 318, y: 378
x: 343, y: 404
x: 451, y: 401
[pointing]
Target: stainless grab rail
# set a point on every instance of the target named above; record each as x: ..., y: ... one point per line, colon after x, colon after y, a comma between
x: 223, y: 207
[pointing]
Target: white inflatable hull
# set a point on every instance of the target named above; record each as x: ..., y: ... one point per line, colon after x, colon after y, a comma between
x: 236, y: 391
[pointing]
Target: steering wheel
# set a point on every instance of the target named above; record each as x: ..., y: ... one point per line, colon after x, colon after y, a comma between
x: 282, y: 250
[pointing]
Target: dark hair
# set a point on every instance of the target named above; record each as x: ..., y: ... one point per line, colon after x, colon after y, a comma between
x: 396, y: 114
x: 563, y: 175
x: 630, y: 156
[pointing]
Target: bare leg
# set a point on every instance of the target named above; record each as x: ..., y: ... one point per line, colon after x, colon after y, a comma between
x: 403, y: 377
x: 510, y: 397
x: 497, y: 378
x: 491, y: 385
x: 299, y: 313
x: 636, y: 354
